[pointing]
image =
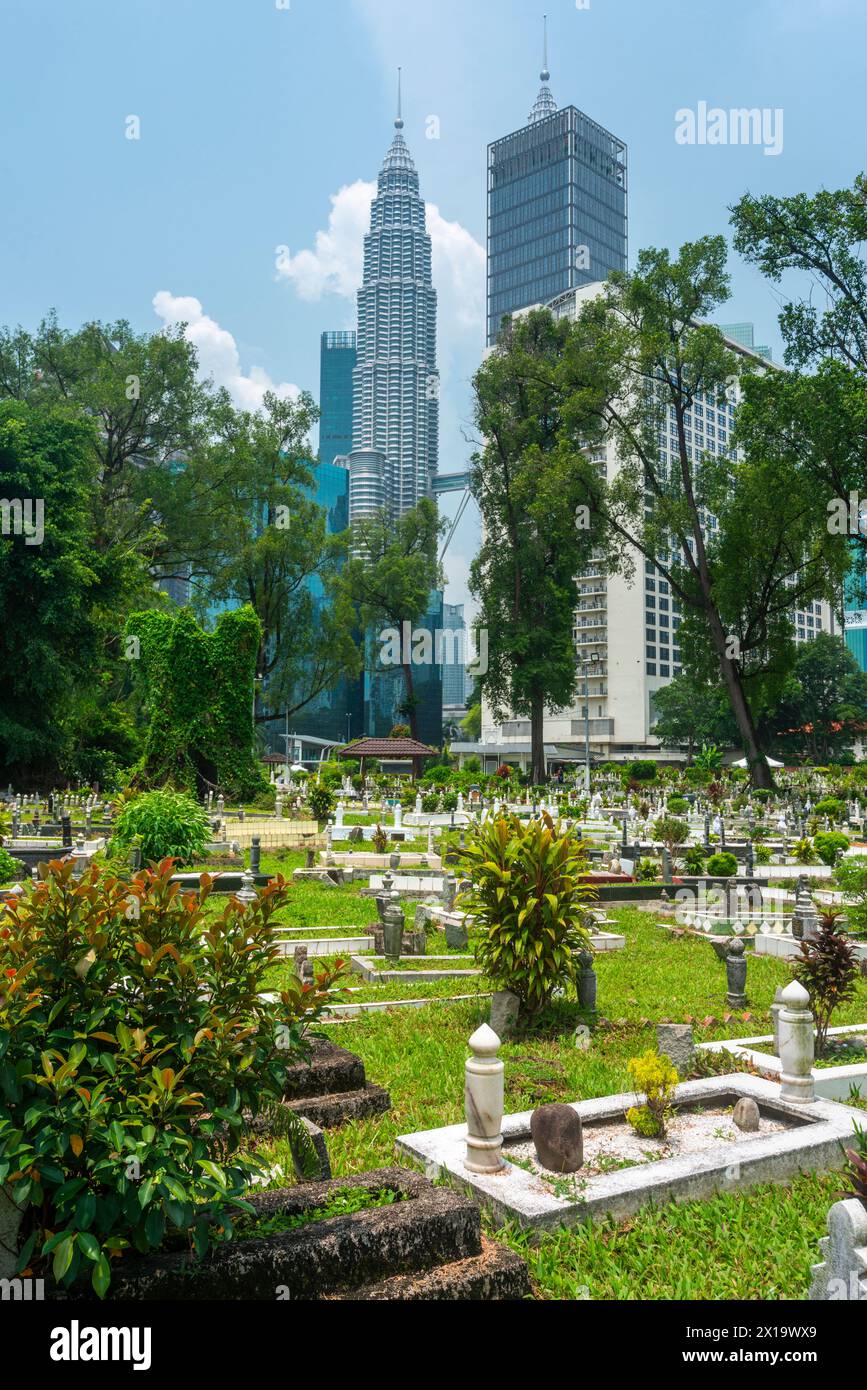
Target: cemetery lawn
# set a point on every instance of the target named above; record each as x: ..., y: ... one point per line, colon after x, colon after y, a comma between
x: 753, y: 1245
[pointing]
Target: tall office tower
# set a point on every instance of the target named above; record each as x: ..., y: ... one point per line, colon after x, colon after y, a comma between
x: 557, y: 207
x: 744, y: 333
x: 395, y: 433
x: 455, y: 679
x: 337, y: 358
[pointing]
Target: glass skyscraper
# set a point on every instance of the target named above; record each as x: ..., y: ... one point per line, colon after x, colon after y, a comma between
x: 337, y: 359
x: 395, y: 434
x: 557, y: 208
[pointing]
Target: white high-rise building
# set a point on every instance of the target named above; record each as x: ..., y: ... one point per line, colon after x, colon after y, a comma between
x: 626, y: 629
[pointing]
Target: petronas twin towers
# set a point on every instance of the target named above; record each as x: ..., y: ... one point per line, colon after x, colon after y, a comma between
x: 395, y: 425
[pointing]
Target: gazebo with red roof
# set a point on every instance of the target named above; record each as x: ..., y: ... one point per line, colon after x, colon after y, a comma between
x: 400, y: 749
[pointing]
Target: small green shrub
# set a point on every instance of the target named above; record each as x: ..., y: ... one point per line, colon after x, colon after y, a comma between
x: 722, y: 865
x: 830, y: 845
x: 803, y: 852
x: 655, y: 1077
x: 763, y: 854
x: 135, y: 1044
x: 10, y: 868
x: 430, y: 804
x: 528, y: 902
x: 643, y: 771
x: 166, y: 824
x: 678, y: 806
x: 647, y: 871
x: 832, y: 808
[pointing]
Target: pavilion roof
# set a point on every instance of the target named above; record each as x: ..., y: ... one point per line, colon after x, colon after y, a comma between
x: 387, y: 748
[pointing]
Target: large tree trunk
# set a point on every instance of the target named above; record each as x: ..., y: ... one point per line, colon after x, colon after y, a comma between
x: 537, y: 742
x: 760, y: 773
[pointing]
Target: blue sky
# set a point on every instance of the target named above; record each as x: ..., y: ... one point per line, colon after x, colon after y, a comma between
x: 262, y: 125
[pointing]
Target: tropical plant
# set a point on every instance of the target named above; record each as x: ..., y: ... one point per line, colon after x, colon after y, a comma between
x: 694, y: 860
x: 827, y: 968
x: 136, y: 1047
x: 856, y: 1169
x: 709, y: 760
x: 166, y: 824
x: 763, y: 854
x: 379, y: 840
x: 647, y: 871
x: 529, y: 906
x: 722, y: 865
x: 830, y: 845
x: 320, y: 799
x: 655, y: 1076
x: 832, y: 808
x: 803, y: 852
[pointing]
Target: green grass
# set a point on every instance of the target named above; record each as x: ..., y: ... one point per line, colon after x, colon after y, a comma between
x: 754, y: 1245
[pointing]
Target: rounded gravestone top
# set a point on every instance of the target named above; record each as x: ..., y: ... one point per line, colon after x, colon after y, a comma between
x: 484, y: 1041
x: 794, y: 996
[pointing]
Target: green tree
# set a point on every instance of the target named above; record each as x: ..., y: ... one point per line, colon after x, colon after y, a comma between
x: 57, y: 594
x: 389, y: 578
x: 693, y: 712
x: 638, y: 359
x: 528, y: 489
x: 818, y: 412
x: 151, y: 409
x: 263, y: 541
x: 824, y: 701
x: 198, y: 690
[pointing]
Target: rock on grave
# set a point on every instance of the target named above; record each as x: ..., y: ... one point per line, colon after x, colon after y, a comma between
x: 675, y: 1041
x: 310, y: 1158
x: 558, y: 1137
x: 746, y: 1115
x: 457, y: 938
x: 504, y: 1012
x: 356, y: 834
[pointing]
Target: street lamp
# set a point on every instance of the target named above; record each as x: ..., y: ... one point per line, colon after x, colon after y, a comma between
x: 587, y: 665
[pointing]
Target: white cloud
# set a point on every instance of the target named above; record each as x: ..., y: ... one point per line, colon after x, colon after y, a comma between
x: 335, y: 264
x: 218, y: 352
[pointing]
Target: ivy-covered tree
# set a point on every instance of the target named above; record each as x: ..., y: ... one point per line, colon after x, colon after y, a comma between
x: 262, y: 540
x: 198, y: 690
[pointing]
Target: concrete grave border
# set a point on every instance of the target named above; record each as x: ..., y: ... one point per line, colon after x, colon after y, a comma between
x: 517, y: 1195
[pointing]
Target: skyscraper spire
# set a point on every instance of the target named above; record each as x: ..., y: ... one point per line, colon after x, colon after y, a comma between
x: 398, y: 125
x: 545, y: 104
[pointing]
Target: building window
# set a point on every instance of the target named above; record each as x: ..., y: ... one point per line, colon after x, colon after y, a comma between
x: 664, y: 671
x: 651, y: 668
